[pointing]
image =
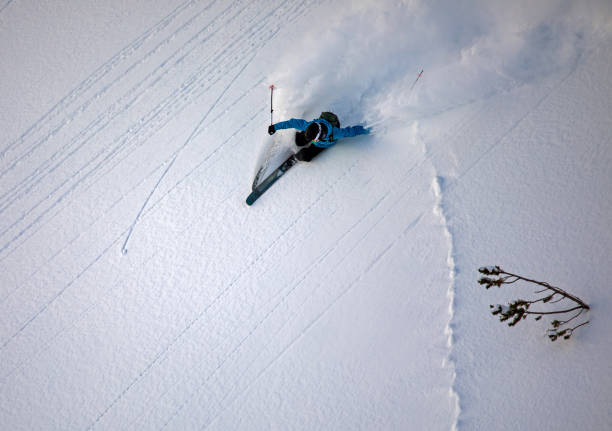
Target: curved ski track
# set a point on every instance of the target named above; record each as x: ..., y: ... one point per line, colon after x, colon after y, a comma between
x: 205, y: 77
x: 263, y: 25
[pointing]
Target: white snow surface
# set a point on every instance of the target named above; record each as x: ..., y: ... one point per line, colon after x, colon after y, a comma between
x: 139, y: 292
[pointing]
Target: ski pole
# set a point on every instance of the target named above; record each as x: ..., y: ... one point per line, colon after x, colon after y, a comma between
x: 271, y: 106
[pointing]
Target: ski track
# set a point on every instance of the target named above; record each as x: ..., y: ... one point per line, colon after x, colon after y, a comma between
x: 73, y: 187
x: 117, y: 239
x: 284, y: 296
x: 450, y: 183
x: 516, y: 124
x: 223, y: 52
x: 100, y: 122
x: 220, y: 295
x: 314, y: 321
x: 177, y: 152
x: 295, y: 13
x: 91, y: 80
x: 22, y: 233
x: 95, y: 260
x: 320, y: 260
x: 140, y: 183
x: 163, y: 69
x: 131, y: 135
x: 128, y: 132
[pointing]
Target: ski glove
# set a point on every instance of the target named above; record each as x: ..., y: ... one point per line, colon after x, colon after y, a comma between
x: 271, y: 129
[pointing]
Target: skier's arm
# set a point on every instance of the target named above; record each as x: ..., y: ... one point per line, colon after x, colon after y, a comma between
x: 294, y: 123
x: 349, y: 132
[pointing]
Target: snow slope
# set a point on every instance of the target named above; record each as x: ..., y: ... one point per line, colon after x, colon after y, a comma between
x: 139, y: 292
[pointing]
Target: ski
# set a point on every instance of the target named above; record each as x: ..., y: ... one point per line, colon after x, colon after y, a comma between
x: 257, y: 178
x: 271, y: 179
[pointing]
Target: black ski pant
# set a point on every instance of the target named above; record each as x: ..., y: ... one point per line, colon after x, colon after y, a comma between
x: 308, y: 153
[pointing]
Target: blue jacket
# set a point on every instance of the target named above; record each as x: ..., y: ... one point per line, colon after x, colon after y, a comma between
x: 334, y: 134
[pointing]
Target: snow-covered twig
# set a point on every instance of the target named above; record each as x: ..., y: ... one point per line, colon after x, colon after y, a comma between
x: 519, y: 310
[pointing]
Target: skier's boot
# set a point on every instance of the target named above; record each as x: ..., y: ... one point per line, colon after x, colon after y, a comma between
x: 308, y: 153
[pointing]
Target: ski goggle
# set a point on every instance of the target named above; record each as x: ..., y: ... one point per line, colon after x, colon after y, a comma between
x: 316, y: 138
x: 321, y: 133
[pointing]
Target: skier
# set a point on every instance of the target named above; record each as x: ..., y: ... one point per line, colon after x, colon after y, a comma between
x: 317, y: 135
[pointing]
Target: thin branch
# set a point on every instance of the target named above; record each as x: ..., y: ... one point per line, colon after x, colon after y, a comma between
x: 510, y: 282
x: 558, y: 300
x: 565, y: 322
x: 543, y: 313
x: 553, y: 288
x: 582, y: 324
x: 518, y: 310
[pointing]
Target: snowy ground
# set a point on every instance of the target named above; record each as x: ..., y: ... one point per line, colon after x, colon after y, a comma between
x: 138, y: 291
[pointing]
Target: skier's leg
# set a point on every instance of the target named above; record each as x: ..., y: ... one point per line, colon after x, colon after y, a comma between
x: 308, y: 153
x: 300, y: 139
